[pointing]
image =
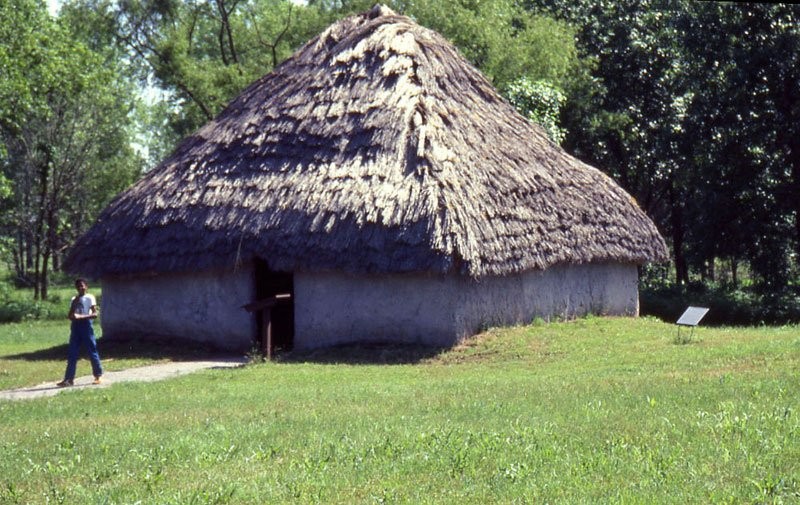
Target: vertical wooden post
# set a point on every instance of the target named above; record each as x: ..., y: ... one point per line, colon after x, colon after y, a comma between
x: 266, y: 332
x: 265, y: 307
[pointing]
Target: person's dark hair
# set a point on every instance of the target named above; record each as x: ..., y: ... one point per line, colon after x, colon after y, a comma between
x: 79, y: 280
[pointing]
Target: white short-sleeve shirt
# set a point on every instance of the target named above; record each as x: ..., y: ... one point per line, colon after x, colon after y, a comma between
x: 84, y: 305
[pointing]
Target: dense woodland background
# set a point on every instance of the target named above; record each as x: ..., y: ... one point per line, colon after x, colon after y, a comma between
x: 691, y: 106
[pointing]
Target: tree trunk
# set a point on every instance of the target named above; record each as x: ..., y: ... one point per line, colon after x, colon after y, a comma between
x: 44, y: 278
x: 36, y: 270
x: 19, y: 255
x: 676, y: 220
x: 44, y: 182
x: 50, y: 245
x: 29, y: 255
x: 794, y: 160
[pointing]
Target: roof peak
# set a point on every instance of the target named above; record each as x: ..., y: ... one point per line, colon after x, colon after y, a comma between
x: 379, y: 10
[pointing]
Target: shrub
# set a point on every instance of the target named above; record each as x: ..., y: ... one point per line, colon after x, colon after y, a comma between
x: 18, y: 305
x: 14, y: 311
x: 730, y: 307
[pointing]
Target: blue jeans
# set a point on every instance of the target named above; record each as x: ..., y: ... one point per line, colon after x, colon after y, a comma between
x: 82, y: 333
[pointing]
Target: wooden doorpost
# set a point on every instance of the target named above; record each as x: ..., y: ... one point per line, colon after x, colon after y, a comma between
x: 266, y: 332
x: 265, y: 308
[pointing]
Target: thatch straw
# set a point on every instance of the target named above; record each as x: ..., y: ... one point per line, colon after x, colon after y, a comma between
x: 375, y: 148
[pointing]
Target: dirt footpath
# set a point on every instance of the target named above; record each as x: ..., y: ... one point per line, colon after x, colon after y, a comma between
x: 142, y: 374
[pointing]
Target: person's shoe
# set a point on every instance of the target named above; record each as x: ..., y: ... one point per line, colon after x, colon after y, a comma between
x: 97, y: 380
x: 65, y: 383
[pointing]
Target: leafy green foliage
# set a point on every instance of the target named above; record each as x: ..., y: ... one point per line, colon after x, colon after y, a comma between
x: 747, y: 112
x: 204, y: 53
x: 728, y: 306
x: 505, y: 42
x: 65, y: 130
x: 17, y: 305
x: 540, y: 102
x: 692, y: 107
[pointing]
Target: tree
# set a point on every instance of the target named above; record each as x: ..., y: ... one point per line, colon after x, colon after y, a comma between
x: 503, y: 40
x: 693, y: 108
x: 64, y: 130
x: 743, y: 136
x: 540, y: 102
x: 202, y: 54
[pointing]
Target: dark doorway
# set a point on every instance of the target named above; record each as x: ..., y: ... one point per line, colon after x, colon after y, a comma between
x: 270, y: 283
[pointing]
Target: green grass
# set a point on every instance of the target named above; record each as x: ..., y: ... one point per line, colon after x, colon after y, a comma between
x: 18, y: 305
x: 591, y: 411
x: 33, y: 352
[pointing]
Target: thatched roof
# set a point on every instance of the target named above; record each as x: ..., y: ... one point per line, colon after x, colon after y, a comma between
x: 375, y: 148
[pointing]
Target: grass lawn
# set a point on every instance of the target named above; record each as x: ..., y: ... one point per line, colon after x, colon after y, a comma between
x: 33, y: 352
x: 598, y: 410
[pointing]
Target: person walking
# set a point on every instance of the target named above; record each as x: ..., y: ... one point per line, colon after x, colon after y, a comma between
x: 82, y: 311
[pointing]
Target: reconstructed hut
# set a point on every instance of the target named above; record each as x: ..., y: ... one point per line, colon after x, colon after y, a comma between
x: 378, y: 178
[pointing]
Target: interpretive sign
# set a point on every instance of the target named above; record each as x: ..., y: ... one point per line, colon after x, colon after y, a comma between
x: 692, y: 316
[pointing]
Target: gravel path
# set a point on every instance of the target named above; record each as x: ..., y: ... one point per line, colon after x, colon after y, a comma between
x: 142, y: 374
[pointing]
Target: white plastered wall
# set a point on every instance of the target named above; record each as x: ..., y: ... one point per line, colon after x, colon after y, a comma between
x: 562, y: 291
x: 203, y: 307
x: 335, y: 308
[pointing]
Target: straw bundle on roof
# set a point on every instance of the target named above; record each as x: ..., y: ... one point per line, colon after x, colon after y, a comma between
x: 375, y: 148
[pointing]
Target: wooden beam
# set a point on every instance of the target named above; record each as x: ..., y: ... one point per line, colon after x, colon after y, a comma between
x: 266, y: 302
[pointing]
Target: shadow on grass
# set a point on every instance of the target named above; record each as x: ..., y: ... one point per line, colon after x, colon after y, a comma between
x: 177, y: 350
x: 363, y: 354
x: 128, y: 349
